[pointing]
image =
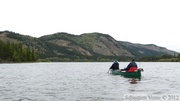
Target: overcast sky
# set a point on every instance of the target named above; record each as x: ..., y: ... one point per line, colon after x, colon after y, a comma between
x: 137, y: 21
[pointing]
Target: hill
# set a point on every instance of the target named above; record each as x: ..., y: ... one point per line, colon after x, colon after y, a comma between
x: 93, y: 46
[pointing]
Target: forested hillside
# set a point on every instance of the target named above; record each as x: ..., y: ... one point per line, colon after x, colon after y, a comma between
x: 69, y: 47
x: 16, y: 53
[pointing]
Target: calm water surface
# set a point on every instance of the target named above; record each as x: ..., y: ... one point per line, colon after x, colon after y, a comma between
x: 83, y: 81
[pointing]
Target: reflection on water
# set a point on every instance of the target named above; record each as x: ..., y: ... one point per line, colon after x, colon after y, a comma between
x: 78, y: 81
x: 134, y: 81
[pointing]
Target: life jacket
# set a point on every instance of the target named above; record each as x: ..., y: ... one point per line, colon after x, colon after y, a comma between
x: 132, y: 69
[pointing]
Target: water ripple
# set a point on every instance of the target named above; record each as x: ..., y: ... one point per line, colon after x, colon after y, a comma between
x: 83, y: 81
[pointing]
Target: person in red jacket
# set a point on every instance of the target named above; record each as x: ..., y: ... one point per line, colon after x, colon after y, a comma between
x: 132, y: 66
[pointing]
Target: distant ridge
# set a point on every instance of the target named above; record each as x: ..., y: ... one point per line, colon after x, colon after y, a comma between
x: 95, y: 44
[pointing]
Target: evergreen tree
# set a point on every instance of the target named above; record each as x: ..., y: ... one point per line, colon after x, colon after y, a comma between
x: 16, y: 52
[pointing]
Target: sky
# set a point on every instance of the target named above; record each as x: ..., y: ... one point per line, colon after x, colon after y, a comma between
x: 137, y: 21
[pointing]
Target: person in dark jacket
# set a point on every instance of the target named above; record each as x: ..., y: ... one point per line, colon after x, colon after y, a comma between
x: 115, y: 65
x: 132, y: 66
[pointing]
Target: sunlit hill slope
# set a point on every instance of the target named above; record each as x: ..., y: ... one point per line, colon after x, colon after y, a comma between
x: 63, y: 45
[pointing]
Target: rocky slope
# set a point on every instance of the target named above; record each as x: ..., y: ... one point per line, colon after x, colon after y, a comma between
x: 88, y: 44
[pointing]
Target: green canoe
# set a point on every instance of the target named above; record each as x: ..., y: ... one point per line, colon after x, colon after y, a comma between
x: 128, y: 74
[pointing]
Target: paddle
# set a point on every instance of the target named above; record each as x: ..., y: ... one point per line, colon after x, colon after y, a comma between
x: 108, y: 71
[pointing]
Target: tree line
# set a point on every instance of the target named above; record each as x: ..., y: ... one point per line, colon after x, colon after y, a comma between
x: 11, y: 52
x: 163, y: 58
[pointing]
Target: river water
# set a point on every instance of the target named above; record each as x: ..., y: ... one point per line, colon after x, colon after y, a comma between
x: 84, y: 81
